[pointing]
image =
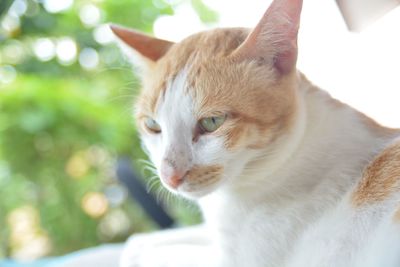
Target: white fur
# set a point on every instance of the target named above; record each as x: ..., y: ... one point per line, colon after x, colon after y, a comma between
x: 286, y: 209
x: 176, y: 116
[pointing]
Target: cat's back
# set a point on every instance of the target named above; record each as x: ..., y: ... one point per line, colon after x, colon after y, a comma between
x: 362, y: 230
x: 356, y: 227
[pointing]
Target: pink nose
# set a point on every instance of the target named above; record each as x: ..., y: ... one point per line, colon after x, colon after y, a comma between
x: 170, y: 175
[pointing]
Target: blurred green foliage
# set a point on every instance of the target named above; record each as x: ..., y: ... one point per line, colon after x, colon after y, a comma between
x: 63, y: 121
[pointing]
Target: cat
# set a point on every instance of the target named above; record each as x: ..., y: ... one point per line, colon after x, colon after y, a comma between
x: 285, y: 175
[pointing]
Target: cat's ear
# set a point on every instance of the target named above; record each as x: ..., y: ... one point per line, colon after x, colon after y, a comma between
x: 149, y: 48
x: 274, y: 39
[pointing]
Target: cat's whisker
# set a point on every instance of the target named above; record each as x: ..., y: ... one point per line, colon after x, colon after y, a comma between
x: 107, y: 69
x: 159, y: 194
x: 119, y: 97
x: 150, y: 169
x: 151, y: 187
x: 145, y: 162
x: 153, y: 182
x: 167, y: 198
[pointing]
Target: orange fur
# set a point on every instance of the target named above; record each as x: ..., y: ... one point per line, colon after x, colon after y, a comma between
x: 202, y: 175
x: 260, y: 104
x: 380, y: 179
x: 396, y: 216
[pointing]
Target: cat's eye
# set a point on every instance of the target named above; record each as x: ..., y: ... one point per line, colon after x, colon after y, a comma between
x: 152, y: 125
x: 211, y: 124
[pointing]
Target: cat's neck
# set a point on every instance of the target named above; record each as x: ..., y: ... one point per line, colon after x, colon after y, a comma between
x: 329, y: 145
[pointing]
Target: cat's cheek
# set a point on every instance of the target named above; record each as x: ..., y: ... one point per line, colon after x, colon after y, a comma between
x: 152, y: 145
x: 209, y: 150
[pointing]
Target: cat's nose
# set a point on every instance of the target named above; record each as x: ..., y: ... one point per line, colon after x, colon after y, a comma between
x: 171, y: 175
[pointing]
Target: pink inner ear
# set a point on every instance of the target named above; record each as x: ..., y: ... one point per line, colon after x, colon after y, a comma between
x: 285, y: 62
x: 150, y: 47
x: 275, y: 36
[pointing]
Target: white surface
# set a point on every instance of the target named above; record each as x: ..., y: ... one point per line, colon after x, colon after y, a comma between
x: 102, y: 256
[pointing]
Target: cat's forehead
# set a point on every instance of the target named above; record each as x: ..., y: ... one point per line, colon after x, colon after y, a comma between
x: 201, y: 47
x: 188, y: 57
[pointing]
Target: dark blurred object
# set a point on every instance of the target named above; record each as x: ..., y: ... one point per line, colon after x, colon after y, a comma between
x: 358, y: 14
x: 138, y: 191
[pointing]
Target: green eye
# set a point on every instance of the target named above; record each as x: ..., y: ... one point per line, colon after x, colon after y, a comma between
x: 211, y: 124
x: 152, y: 125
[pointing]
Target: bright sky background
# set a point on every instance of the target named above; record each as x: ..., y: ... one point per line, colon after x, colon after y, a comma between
x: 361, y: 69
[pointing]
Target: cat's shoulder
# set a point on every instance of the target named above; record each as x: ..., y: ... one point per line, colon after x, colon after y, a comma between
x: 381, y: 177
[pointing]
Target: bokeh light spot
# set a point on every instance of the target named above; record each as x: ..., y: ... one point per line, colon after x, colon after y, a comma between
x: 90, y: 15
x: 114, y: 224
x: 77, y: 166
x: 116, y: 194
x: 89, y: 58
x: 66, y: 50
x: 7, y: 74
x: 97, y: 156
x: 10, y: 23
x: 55, y: 6
x: 28, y: 240
x: 95, y: 204
x: 103, y: 35
x: 44, y: 49
x: 19, y: 7
x: 13, y: 52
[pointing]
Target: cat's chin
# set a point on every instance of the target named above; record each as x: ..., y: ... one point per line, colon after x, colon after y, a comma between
x: 189, y: 192
x: 194, y: 194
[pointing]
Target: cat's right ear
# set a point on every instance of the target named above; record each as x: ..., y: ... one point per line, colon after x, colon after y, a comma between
x: 274, y: 39
x: 148, y: 49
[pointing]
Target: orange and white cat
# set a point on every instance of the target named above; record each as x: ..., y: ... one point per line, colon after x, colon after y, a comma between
x: 285, y: 175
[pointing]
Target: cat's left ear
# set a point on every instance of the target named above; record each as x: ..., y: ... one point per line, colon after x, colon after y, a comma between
x: 151, y: 49
x: 274, y: 39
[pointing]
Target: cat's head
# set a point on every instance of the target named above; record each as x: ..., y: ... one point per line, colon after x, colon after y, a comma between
x: 210, y: 103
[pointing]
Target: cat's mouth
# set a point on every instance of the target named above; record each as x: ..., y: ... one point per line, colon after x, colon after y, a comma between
x: 199, y: 181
